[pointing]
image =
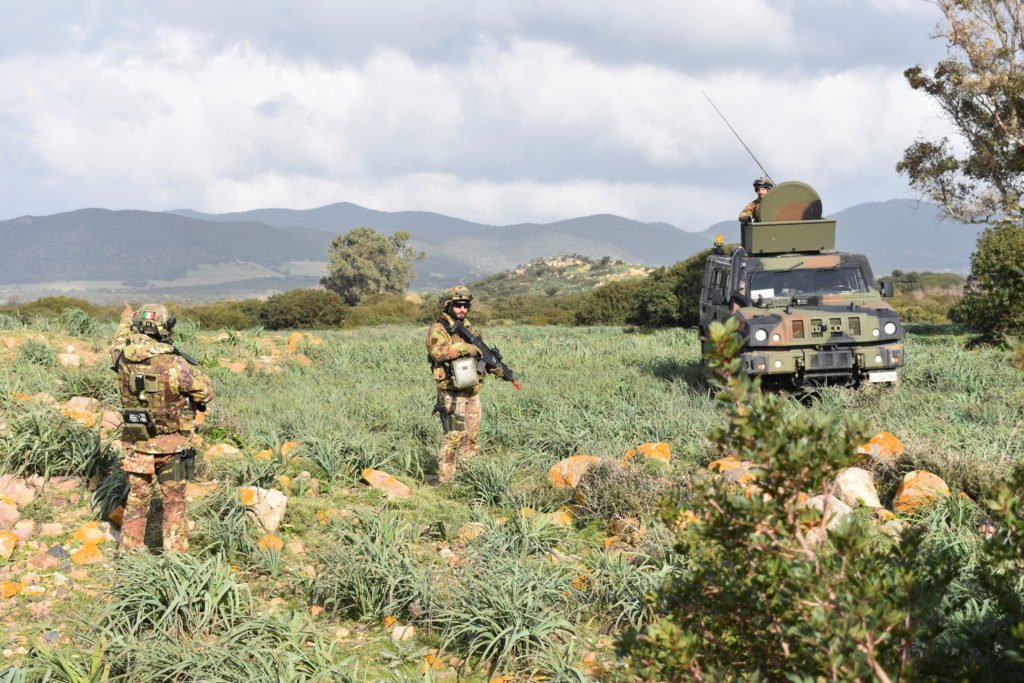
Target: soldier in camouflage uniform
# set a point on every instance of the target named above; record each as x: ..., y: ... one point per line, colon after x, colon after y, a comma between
x: 752, y: 211
x: 459, y: 408
x: 161, y: 390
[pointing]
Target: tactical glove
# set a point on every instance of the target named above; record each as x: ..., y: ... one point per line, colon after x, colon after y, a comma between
x: 746, y: 220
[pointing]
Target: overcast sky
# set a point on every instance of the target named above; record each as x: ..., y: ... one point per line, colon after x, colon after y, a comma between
x: 490, y: 110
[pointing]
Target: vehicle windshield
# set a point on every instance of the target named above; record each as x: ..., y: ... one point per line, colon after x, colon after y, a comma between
x: 768, y: 284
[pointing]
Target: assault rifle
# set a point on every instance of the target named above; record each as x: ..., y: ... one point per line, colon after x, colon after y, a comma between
x: 489, y: 357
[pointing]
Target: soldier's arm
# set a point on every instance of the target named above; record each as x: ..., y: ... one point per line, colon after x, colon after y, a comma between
x: 194, y: 383
x: 747, y: 214
x: 122, y: 333
x: 442, y: 348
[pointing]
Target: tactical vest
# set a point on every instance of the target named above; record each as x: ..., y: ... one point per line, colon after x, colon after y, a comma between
x: 146, y: 389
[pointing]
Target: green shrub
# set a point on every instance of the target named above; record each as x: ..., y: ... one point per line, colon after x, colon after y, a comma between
x: 993, y: 301
x: 302, y: 309
x: 616, y: 303
x: 381, y: 309
x: 609, y: 490
x: 223, y: 315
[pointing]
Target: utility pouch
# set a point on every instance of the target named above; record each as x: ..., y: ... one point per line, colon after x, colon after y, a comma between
x: 177, y: 468
x: 186, y: 421
x: 464, y: 374
x: 188, y: 456
x: 138, y: 424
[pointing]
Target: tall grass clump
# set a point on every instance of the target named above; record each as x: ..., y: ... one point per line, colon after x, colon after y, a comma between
x: 611, y: 490
x: 40, y: 440
x: 487, y: 481
x: 522, y: 534
x: 502, y: 612
x: 37, y: 352
x: 223, y: 525
x: 369, y: 572
x: 78, y: 323
x: 10, y: 322
x: 616, y: 587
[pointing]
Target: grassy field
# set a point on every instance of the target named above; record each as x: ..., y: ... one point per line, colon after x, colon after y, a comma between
x: 491, y: 583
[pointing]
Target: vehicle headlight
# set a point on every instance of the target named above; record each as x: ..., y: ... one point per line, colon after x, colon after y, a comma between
x: 890, y: 328
x: 760, y: 335
x: 874, y: 332
x: 776, y: 337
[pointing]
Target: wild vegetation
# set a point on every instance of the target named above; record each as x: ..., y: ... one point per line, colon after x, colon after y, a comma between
x: 503, y: 573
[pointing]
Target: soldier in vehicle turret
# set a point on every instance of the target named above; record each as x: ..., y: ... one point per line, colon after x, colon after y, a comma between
x: 751, y: 213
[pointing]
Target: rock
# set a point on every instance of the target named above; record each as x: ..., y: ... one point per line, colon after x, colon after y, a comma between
x: 116, y: 515
x: 194, y: 490
x: 87, y: 554
x: 725, y: 464
x: 470, y: 530
x: 43, y: 560
x: 82, y: 409
x: 386, y: 483
x: 651, y: 451
x: 855, y: 487
x: 90, y: 533
x: 287, y: 447
x: 883, y: 447
x: 562, y: 517
x: 918, y: 490
x: 831, y: 508
x: 23, y: 528
x: 235, y: 366
x: 566, y: 473
x: 315, y: 610
x: 296, y: 548
x: 66, y: 484
x: 69, y: 360
x: 51, y: 529
x: 221, y: 449
x: 59, y: 552
x: 9, y: 515
x: 17, y: 490
x: 79, y: 574
x: 110, y: 421
x: 266, y: 505
x: 625, y: 526
x: 40, y: 610
x: 8, y: 542
x: 401, y: 633
x: 277, y: 602
x: 286, y: 483
x: 302, y: 359
x: 294, y: 339
x: 270, y: 542
x: 8, y: 589
x: 308, y: 480
x: 894, y: 529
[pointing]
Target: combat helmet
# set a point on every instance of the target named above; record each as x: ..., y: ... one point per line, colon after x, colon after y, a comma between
x: 453, y: 294
x: 154, y: 320
x: 764, y: 182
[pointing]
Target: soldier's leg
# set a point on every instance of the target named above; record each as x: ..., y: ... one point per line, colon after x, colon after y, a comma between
x: 472, y: 414
x: 172, y: 487
x: 140, y: 494
x: 450, y: 439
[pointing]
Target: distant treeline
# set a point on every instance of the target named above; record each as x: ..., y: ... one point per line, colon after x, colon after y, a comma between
x: 666, y: 297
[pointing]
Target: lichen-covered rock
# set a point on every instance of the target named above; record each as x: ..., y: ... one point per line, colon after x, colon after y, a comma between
x: 883, y: 447
x: 919, y: 490
x: 266, y: 505
x: 651, y: 451
x: 82, y: 409
x: 90, y: 533
x: 17, y: 489
x: 830, y: 507
x: 221, y: 449
x: 87, y: 554
x: 8, y: 542
x: 270, y: 542
x: 386, y: 483
x: 9, y: 515
x: 854, y: 487
x: 566, y: 473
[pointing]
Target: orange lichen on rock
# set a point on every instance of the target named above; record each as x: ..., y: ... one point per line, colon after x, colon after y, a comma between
x: 725, y: 464
x: 918, y: 490
x: 87, y: 554
x: 651, y: 451
x: 567, y: 473
x: 386, y: 483
x: 89, y: 533
x: 8, y: 589
x: 8, y: 542
x: 883, y: 446
x: 270, y: 542
x: 247, y: 494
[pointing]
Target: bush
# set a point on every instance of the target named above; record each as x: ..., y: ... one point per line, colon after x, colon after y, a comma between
x: 230, y: 315
x: 993, y: 301
x: 616, y: 303
x: 381, y: 309
x: 302, y: 309
x: 609, y: 490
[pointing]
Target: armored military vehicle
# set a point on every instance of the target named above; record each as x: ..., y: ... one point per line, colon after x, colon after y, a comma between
x: 810, y: 315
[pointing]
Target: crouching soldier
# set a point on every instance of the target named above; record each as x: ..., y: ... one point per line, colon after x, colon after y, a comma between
x: 161, y: 390
x: 453, y: 362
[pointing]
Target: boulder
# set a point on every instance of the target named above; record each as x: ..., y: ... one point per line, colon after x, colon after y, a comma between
x: 883, y: 447
x: 651, y: 451
x: 82, y: 409
x: 110, y: 421
x: 9, y: 515
x: 266, y: 505
x: 90, y: 532
x: 386, y: 483
x: 221, y: 449
x: 919, y: 490
x: 567, y: 473
x: 8, y: 589
x: 854, y: 487
x: 23, y: 529
x: 87, y: 554
x: 17, y: 489
x: 831, y: 508
x: 401, y: 633
x: 8, y: 542
x: 69, y: 360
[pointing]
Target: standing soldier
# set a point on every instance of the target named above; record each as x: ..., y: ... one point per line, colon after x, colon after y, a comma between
x: 453, y: 361
x: 752, y: 211
x: 161, y: 390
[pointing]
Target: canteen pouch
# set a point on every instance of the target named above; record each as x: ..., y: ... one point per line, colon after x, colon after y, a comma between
x: 464, y: 374
x: 138, y: 424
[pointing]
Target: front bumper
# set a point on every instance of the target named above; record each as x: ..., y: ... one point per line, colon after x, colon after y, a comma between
x: 851, y: 361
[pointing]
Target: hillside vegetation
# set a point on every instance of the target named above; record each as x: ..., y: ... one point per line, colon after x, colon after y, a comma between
x: 507, y: 573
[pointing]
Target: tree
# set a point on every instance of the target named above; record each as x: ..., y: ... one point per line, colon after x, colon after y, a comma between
x: 980, y: 87
x: 364, y: 262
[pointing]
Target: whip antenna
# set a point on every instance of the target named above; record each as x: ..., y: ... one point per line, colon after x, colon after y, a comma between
x: 766, y: 173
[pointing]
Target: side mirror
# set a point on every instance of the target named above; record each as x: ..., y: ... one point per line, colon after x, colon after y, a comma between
x: 717, y: 297
x: 886, y: 288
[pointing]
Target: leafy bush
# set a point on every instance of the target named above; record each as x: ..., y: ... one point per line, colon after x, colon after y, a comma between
x: 610, y: 490
x: 993, y: 301
x: 302, y: 309
x: 616, y: 303
x: 220, y: 315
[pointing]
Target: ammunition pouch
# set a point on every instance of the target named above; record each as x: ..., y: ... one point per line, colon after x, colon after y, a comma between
x: 180, y: 467
x: 138, y: 424
x: 442, y: 412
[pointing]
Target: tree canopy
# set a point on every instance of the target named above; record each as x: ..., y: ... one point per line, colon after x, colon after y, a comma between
x: 364, y: 262
x: 980, y: 88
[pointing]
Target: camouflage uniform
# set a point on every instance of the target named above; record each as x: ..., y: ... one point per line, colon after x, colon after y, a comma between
x: 153, y: 377
x: 459, y: 408
x: 751, y: 212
